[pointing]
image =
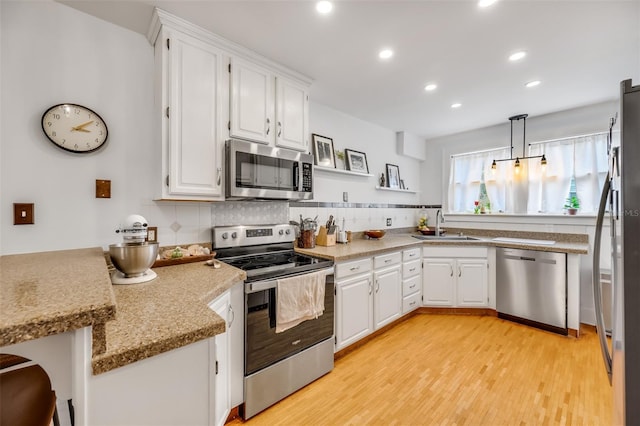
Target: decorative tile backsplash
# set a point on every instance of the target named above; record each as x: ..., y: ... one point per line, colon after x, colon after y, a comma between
x: 249, y: 213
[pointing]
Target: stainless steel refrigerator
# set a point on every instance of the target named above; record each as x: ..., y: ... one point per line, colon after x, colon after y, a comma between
x: 621, y: 198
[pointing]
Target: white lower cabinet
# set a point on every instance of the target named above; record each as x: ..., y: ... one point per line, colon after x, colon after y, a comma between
x: 455, y: 277
x: 354, y: 301
x: 195, y: 384
x: 368, y: 296
x: 411, y: 279
x: 387, y: 296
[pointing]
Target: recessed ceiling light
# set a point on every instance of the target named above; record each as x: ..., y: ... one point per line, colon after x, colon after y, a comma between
x: 385, y: 54
x: 431, y: 86
x: 533, y: 83
x: 456, y: 105
x: 324, y: 6
x: 486, y: 3
x: 517, y: 55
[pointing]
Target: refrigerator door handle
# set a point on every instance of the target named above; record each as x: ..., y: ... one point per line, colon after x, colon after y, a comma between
x: 597, y: 285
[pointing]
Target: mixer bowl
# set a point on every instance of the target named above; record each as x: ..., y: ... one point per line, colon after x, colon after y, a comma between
x: 133, y: 260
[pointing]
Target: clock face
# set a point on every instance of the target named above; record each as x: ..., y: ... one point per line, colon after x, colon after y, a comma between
x: 74, y: 128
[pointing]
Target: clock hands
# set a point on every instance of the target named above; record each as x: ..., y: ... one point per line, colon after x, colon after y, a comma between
x: 81, y: 127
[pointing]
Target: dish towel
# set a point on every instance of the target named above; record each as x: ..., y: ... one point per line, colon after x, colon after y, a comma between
x: 300, y: 298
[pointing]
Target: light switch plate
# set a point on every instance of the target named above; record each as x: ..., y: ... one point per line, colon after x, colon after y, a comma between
x: 23, y: 214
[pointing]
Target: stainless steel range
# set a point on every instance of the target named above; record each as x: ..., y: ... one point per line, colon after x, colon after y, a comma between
x: 279, y: 360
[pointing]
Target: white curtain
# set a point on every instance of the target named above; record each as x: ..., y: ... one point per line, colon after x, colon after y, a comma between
x: 584, y: 158
x: 465, y: 177
x: 534, y: 189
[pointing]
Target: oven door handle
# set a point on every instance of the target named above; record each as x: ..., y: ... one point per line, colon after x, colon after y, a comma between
x: 268, y: 284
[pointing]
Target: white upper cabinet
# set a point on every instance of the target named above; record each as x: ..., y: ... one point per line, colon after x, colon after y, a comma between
x: 252, y: 102
x: 192, y: 103
x: 268, y: 108
x: 292, y: 115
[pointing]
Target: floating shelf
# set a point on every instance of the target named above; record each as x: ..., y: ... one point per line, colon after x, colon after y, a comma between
x: 340, y: 171
x: 408, y: 191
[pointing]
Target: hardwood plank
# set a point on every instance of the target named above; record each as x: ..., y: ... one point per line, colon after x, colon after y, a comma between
x: 457, y: 370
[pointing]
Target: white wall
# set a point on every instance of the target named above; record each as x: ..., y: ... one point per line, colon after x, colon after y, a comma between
x: 53, y: 54
x: 378, y: 143
x: 578, y: 121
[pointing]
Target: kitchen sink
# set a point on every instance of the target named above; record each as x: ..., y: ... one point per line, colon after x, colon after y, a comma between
x: 446, y: 237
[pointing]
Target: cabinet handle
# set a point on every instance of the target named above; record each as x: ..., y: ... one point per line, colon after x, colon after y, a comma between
x: 412, y: 269
x: 459, y: 271
x: 412, y: 303
x: 412, y: 254
x: 377, y: 286
x: 279, y: 128
x: 451, y: 266
x: 233, y: 315
x: 387, y: 261
x: 370, y: 286
x: 219, y: 175
x: 355, y: 268
x: 268, y: 126
x: 412, y: 286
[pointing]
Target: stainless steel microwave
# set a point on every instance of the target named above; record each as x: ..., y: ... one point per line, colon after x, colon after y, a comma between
x: 255, y: 171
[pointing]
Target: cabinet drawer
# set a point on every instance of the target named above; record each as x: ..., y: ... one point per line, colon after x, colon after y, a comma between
x: 410, y: 303
x: 354, y: 267
x: 411, y: 269
x: 386, y: 260
x: 411, y: 285
x: 455, y: 251
x: 411, y: 254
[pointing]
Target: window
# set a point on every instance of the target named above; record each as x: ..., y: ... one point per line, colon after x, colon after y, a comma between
x: 576, y: 165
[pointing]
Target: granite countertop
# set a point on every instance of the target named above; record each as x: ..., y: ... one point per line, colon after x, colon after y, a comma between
x: 43, y: 294
x: 47, y: 293
x: 167, y: 313
x: 361, y: 246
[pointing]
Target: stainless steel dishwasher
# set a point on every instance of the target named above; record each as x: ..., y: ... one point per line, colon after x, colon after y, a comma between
x: 531, y: 288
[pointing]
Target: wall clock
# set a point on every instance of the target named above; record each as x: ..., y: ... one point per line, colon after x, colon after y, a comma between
x: 74, y: 128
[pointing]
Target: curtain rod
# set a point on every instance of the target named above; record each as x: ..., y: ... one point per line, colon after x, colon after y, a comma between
x: 568, y: 137
x: 482, y: 151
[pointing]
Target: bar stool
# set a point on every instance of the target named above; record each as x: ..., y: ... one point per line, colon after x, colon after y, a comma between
x: 26, y: 397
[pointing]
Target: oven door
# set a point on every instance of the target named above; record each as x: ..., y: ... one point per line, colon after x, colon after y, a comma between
x: 263, y: 346
x: 258, y: 171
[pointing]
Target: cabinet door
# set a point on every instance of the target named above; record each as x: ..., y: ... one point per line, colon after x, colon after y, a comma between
x: 236, y: 339
x: 292, y: 115
x: 387, y: 305
x: 222, y: 402
x: 197, y: 80
x: 438, y: 283
x: 472, y: 284
x: 252, y: 102
x: 354, y: 316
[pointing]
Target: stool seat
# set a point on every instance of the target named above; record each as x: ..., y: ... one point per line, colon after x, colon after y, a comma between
x: 26, y: 397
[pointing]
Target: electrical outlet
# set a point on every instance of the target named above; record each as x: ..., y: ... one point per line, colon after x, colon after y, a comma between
x: 388, y: 221
x: 345, y: 196
x: 23, y: 214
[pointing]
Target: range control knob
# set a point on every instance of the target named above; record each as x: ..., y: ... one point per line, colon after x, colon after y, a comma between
x: 225, y: 236
x: 234, y: 235
x: 280, y: 232
x: 288, y: 231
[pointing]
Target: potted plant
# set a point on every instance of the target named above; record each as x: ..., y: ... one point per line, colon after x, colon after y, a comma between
x: 572, y: 205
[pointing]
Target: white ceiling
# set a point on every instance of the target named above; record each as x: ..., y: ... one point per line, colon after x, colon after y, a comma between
x: 580, y: 50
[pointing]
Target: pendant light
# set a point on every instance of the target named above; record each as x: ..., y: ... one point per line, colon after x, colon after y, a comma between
x: 516, y: 165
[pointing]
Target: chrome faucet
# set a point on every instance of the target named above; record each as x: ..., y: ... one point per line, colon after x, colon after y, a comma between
x: 439, y: 220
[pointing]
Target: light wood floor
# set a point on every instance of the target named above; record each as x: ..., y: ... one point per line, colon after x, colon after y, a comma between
x: 457, y: 370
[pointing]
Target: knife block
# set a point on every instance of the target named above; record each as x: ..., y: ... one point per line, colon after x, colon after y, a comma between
x: 324, y: 239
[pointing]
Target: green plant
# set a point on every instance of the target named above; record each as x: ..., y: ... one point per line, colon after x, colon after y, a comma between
x: 572, y: 203
x: 340, y: 155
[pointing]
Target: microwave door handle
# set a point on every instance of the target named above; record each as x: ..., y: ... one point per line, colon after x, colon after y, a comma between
x: 597, y: 285
x: 296, y: 176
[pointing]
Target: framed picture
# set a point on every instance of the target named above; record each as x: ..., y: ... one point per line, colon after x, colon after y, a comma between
x: 356, y: 161
x: 393, y: 176
x: 323, y: 152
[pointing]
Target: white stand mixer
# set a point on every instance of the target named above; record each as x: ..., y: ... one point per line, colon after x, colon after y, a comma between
x: 133, y: 257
